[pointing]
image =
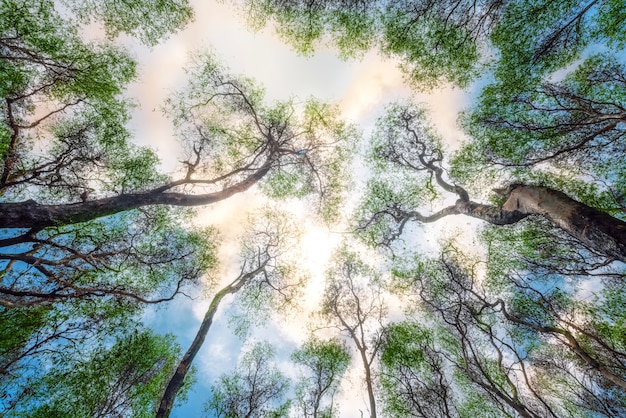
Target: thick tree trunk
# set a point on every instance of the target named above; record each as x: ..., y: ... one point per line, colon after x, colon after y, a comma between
x: 591, y: 226
x: 30, y: 214
x: 594, y: 228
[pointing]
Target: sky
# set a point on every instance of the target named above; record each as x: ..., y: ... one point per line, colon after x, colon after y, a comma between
x: 360, y: 88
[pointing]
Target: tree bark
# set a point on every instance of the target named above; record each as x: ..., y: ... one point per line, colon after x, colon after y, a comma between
x: 596, y: 229
x: 176, y: 382
x: 591, y: 226
x: 369, y: 384
x: 30, y: 214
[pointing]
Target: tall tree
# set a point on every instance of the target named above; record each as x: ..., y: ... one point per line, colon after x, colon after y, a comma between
x: 80, y: 150
x: 48, y: 353
x: 530, y: 344
x: 408, y: 146
x: 568, y: 132
x: 265, y: 272
x: 232, y: 141
x: 418, y: 380
x: 354, y: 305
x: 145, y: 257
x: 256, y: 389
x: 63, y: 137
x: 121, y: 380
x: 89, y: 243
x: 323, y: 364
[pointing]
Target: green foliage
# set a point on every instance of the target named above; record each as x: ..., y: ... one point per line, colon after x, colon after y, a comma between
x: 42, y: 40
x: 437, y: 42
x: 404, y: 346
x: 408, y: 271
x: 432, y: 50
x: 255, y: 389
x: 349, y: 26
x: 83, y: 141
x: 149, y: 21
x: 47, y: 339
x: 229, y: 132
x: 18, y: 327
x: 606, y: 311
x: 330, y: 177
x: 323, y: 364
x: 550, y: 36
x: 556, y: 134
x: 545, y: 281
x: 270, y: 262
x: 136, y: 255
x: 124, y: 379
x: 402, y: 142
x: 417, y: 380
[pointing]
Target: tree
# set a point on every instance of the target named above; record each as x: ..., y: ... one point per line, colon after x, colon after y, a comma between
x: 254, y: 390
x: 118, y: 244
x: 264, y: 273
x: 323, y: 362
x: 353, y: 304
x: 417, y: 380
x: 408, y: 146
x: 573, y: 125
x: 80, y: 150
x: 538, y: 37
x: 85, y: 258
x: 52, y: 335
x: 151, y: 261
x: 48, y: 353
x: 436, y: 41
x: 233, y: 141
x: 78, y: 146
x: 545, y: 298
x: 528, y: 343
x: 118, y: 381
x: 148, y: 21
x: 450, y: 41
x: 571, y: 121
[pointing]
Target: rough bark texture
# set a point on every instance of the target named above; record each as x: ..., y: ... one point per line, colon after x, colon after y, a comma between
x: 30, y: 214
x: 594, y: 228
x: 492, y: 214
x: 597, y: 230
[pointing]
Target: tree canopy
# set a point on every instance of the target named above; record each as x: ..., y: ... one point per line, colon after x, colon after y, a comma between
x: 526, y: 318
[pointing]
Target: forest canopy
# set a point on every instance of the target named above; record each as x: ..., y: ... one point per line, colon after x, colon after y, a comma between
x: 526, y: 319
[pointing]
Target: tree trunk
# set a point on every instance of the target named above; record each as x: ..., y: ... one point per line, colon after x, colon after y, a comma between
x: 30, y: 214
x: 368, y: 380
x: 176, y: 382
x: 594, y: 228
x: 591, y: 226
